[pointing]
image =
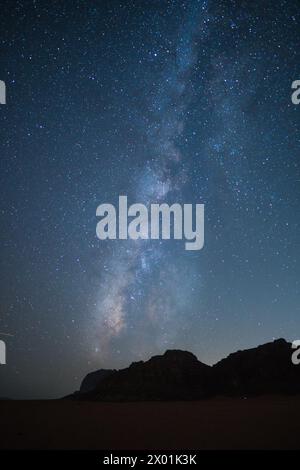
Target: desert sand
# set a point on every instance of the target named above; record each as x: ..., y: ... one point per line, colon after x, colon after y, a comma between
x: 219, y: 423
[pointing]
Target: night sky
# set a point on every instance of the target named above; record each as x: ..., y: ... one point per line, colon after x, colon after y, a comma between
x: 162, y: 101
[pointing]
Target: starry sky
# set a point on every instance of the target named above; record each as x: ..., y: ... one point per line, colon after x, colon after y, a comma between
x: 162, y: 101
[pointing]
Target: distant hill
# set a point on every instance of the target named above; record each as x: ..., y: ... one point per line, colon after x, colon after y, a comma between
x: 92, y: 380
x: 179, y: 375
x: 267, y: 369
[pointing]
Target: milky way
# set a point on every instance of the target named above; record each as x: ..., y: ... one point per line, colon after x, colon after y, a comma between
x: 123, y: 292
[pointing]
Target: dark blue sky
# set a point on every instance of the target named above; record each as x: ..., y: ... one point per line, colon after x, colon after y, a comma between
x: 170, y: 101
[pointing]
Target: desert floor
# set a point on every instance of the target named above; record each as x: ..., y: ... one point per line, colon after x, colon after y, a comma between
x: 256, y: 423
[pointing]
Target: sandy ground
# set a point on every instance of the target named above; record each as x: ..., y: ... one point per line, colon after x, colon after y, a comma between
x: 260, y: 423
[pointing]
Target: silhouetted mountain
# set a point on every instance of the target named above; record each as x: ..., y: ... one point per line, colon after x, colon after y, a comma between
x: 267, y: 369
x: 92, y: 380
x: 178, y: 375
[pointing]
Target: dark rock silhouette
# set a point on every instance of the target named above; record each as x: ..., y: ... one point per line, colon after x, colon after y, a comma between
x: 267, y: 369
x: 93, y: 379
x: 179, y: 375
x: 176, y: 375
